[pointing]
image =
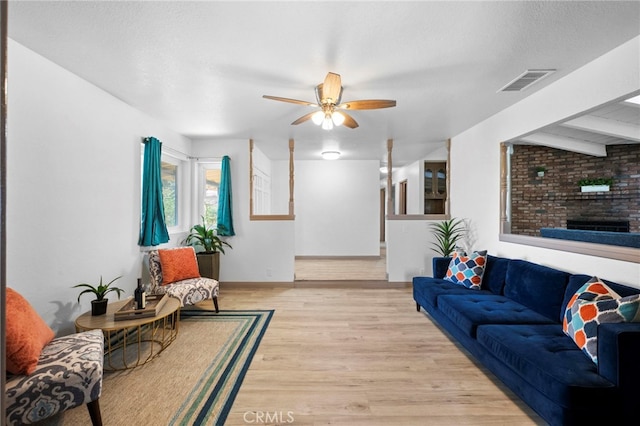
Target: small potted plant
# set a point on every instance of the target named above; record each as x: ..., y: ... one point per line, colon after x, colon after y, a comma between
x: 206, y: 238
x: 447, y: 234
x: 99, y: 305
x: 595, y: 185
x: 540, y: 170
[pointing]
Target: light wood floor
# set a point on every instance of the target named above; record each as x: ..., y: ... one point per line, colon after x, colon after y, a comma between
x: 348, y: 268
x: 361, y: 356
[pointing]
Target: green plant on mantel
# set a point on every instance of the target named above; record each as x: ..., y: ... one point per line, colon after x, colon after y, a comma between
x: 596, y: 181
x: 541, y: 169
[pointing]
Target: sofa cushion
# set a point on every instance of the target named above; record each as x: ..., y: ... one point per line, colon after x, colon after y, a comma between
x: 494, y: 274
x: 467, y: 269
x: 431, y: 288
x: 545, y: 358
x: 470, y: 310
x: 26, y: 334
x: 538, y: 287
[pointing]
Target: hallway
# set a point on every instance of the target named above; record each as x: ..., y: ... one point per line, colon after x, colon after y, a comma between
x: 342, y: 268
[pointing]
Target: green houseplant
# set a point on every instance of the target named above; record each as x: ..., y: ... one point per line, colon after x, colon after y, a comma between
x: 99, y: 304
x: 447, y: 234
x: 206, y: 237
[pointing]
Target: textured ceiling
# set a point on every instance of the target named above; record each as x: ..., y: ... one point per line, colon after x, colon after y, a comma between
x: 202, y: 67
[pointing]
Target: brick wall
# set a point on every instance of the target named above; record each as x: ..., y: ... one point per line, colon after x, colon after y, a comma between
x: 540, y: 202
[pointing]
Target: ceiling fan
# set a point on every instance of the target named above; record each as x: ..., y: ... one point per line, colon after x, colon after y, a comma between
x: 328, y: 96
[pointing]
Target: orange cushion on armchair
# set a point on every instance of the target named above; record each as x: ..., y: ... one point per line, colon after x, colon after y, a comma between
x: 26, y: 334
x: 178, y: 264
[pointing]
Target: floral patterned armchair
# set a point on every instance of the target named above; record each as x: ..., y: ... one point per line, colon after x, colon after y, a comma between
x: 68, y: 374
x: 175, y: 272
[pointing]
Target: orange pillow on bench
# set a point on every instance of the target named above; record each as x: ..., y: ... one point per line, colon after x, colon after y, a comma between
x: 178, y: 264
x: 26, y: 333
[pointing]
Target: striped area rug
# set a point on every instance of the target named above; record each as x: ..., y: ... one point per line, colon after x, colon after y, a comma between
x: 194, y: 381
x: 212, y: 396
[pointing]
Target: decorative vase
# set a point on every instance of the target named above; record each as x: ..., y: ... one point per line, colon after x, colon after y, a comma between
x: 99, y: 307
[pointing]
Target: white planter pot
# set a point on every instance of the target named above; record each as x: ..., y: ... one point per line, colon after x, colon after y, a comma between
x: 595, y: 188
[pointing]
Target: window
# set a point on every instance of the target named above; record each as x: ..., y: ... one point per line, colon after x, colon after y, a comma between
x: 174, y: 175
x: 209, y: 184
x: 170, y: 193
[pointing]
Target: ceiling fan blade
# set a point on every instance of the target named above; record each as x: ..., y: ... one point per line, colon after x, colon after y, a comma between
x: 332, y: 88
x: 367, y: 104
x: 304, y: 118
x: 293, y: 101
x: 349, y: 121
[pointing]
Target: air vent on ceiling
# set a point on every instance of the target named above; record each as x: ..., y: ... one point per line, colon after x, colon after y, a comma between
x: 525, y: 80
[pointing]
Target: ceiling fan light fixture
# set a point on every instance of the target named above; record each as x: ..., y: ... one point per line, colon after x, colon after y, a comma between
x: 331, y: 155
x: 327, y: 123
x: 337, y: 118
x: 317, y: 117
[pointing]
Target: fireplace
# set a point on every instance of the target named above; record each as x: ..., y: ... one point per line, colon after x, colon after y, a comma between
x: 599, y: 225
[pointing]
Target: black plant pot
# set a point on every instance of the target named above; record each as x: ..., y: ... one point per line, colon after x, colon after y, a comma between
x: 99, y: 307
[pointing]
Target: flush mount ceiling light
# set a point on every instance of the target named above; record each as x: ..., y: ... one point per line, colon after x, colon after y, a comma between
x: 328, y: 97
x: 384, y: 170
x: 331, y: 155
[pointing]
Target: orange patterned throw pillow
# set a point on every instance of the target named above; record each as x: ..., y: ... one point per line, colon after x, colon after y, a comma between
x: 178, y: 264
x: 26, y: 333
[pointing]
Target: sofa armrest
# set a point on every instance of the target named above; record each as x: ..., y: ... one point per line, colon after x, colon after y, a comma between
x: 618, y: 349
x: 440, y: 266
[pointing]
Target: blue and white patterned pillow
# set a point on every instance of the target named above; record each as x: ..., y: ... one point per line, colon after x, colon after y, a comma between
x: 467, y: 270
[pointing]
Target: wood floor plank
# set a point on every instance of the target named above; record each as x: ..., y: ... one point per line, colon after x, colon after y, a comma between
x: 359, y: 356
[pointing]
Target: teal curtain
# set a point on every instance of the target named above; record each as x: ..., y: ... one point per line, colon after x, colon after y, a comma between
x: 153, y: 229
x: 225, y: 217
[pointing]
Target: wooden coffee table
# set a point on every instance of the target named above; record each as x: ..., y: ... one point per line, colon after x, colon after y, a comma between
x: 133, y: 342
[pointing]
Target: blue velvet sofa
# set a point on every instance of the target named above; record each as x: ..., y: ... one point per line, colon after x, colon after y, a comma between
x: 513, y: 327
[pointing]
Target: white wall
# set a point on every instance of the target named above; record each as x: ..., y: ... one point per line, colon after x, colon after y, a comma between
x: 610, y: 77
x: 337, y: 207
x: 73, y: 186
x: 262, y: 250
x: 409, y: 251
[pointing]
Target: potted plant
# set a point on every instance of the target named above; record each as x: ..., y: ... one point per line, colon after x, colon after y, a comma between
x: 595, y: 185
x: 206, y: 238
x: 447, y: 234
x: 540, y: 170
x: 99, y: 305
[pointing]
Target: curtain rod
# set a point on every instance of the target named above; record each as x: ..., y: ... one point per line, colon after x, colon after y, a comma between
x: 182, y: 155
x: 175, y: 153
x: 206, y: 158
